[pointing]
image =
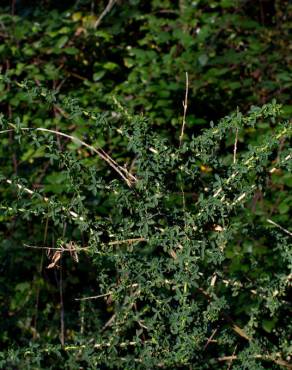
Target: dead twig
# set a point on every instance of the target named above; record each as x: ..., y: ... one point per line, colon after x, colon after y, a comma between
x: 62, y: 311
x: 61, y: 249
x: 124, y: 173
x: 235, y: 146
x: 185, y: 106
x: 280, y: 227
x: 211, y: 338
x: 93, y: 297
x: 70, y: 247
x: 107, y: 9
x: 230, y: 363
x: 272, y: 358
x: 127, y: 241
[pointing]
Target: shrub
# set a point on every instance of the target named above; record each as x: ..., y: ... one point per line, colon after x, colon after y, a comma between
x: 188, y: 264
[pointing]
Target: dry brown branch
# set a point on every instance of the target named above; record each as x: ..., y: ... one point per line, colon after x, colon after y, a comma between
x: 127, y: 241
x: 272, y: 358
x: 109, y: 322
x: 230, y: 362
x: 210, y: 339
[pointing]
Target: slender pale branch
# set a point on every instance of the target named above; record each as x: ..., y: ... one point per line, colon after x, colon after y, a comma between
x: 279, y: 226
x: 45, y: 199
x: 107, y: 9
x: 185, y: 106
x: 235, y: 146
x: 126, y: 175
x: 271, y: 357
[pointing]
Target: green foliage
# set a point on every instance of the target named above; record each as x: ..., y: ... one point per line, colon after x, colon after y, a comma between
x: 174, y: 256
x: 185, y: 246
x: 235, y: 52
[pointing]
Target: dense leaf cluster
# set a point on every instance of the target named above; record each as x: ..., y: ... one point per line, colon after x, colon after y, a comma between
x: 127, y: 241
x: 183, y: 274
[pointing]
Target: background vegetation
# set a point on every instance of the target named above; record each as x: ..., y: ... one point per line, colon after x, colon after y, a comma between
x: 187, y: 276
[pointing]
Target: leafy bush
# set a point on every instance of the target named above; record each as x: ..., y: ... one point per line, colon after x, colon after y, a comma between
x: 234, y: 51
x: 169, y: 255
x: 182, y: 240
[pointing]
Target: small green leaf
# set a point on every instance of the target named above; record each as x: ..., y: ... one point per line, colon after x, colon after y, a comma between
x: 203, y: 59
x: 268, y: 325
x: 110, y: 66
x: 71, y: 51
x: 98, y: 75
x: 62, y: 41
x: 283, y: 208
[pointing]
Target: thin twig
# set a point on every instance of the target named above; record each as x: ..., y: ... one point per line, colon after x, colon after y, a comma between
x: 99, y: 345
x: 127, y: 241
x: 248, y: 165
x: 185, y: 106
x: 62, y: 324
x: 235, y: 146
x: 184, y: 205
x: 82, y: 319
x: 107, y: 9
x: 210, y: 339
x: 126, y: 175
x: 280, y: 227
x: 45, y: 199
x: 100, y: 152
x: 289, y: 156
x: 103, y: 295
x: 109, y: 322
x: 233, y: 354
x: 61, y: 249
x: 93, y: 297
x: 278, y: 361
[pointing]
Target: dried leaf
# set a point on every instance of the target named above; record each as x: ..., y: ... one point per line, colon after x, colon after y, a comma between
x: 72, y: 247
x: 55, y: 259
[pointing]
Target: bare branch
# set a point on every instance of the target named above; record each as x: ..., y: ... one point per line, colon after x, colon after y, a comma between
x: 126, y: 175
x: 235, y: 146
x: 185, y: 106
x: 279, y: 226
x: 107, y: 9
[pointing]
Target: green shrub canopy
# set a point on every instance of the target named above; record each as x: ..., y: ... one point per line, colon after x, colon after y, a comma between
x: 134, y: 233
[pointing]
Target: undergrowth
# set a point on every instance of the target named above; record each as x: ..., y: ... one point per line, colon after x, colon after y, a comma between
x: 191, y: 267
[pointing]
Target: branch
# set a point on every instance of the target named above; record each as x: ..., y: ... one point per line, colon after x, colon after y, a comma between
x: 107, y: 9
x: 185, y: 105
x: 126, y: 175
x: 278, y: 361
